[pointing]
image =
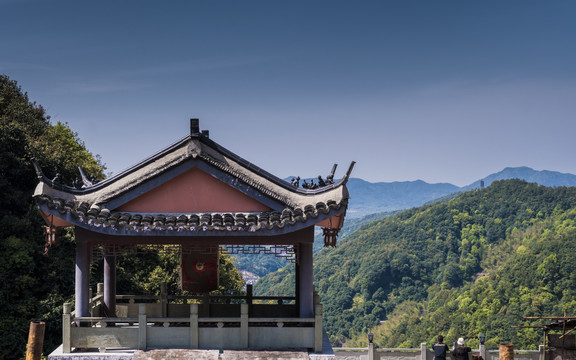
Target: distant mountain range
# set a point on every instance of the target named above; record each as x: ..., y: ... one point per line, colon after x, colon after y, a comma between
x: 369, y: 198
x: 543, y: 177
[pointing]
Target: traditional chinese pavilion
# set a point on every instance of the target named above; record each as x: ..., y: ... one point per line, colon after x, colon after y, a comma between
x: 202, y: 199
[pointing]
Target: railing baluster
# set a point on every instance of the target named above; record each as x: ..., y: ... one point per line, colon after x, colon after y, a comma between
x: 318, y: 328
x: 142, y: 324
x: 244, y: 341
x: 194, y: 326
x: 163, y: 299
x: 66, y: 321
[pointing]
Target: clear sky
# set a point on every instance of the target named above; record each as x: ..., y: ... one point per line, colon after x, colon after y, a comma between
x: 437, y: 90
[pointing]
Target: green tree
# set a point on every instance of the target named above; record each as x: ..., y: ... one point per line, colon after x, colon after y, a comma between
x: 32, y: 284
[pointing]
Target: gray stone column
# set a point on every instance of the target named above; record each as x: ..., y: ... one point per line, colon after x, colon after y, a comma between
x: 305, y: 280
x: 109, y: 284
x: 423, y: 354
x: 82, y: 287
x: 371, y: 352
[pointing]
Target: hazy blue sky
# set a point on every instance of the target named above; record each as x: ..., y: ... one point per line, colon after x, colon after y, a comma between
x: 443, y: 91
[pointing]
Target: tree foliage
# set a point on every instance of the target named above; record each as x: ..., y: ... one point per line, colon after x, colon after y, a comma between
x: 144, y: 272
x: 34, y: 285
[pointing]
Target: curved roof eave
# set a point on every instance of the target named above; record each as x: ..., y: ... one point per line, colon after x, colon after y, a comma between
x: 264, y: 224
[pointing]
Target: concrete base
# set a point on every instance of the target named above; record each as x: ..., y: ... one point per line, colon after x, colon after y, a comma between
x: 263, y: 355
x: 327, y: 352
x: 180, y: 354
x: 110, y: 354
x: 176, y: 354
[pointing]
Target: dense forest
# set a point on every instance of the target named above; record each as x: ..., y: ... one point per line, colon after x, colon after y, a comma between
x: 474, y: 264
x: 35, y: 284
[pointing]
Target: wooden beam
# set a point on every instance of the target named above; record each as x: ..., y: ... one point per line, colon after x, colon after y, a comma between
x: 574, y: 328
x: 530, y: 326
x: 296, y: 237
x: 550, y: 317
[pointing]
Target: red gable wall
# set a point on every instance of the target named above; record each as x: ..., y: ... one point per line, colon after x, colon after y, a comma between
x: 193, y: 191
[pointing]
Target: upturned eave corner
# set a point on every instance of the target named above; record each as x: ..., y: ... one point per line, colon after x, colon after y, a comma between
x: 331, y: 227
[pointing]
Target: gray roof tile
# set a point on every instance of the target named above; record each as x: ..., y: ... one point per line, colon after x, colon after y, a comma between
x: 94, y: 216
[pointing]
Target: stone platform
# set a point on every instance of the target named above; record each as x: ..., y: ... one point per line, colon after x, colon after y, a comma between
x: 181, y: 354
x: 175, y: 354
x: 185, y: 354
x: 92, y: 355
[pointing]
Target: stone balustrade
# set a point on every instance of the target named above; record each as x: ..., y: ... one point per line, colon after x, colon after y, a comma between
x: 424, y: 353
x: 157, y: 323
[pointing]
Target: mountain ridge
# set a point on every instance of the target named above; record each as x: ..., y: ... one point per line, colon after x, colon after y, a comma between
x: 542, y: 177
x: 368, y: 197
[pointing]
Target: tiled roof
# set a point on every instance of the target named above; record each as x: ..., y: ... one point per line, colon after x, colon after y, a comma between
x: 92, y: 216
x: 94, y: 206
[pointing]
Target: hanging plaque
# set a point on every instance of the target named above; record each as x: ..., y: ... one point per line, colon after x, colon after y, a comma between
x: 199, y: 271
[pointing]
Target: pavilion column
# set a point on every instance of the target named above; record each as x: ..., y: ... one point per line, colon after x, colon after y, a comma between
x: 305, y: 278
x: 82, y: 278
x: 109, y: 284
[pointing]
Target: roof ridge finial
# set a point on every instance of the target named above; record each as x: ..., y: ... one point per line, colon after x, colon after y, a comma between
x: 349, y: 172
x: 85, y: 181
x: 38, y: 169
x: 194, y: 127
x: 330, y: 176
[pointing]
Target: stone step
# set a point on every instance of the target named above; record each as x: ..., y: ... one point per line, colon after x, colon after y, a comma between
x: 263, y: 355
x: 176, y: 354
x: 184, y: 354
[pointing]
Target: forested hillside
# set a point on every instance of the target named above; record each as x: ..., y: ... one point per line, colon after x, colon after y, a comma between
x: 473, y: 264
x: 34, y: 285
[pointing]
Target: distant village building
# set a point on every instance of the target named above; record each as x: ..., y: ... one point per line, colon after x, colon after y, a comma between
x: 249, y: 277
x: 203, y: 199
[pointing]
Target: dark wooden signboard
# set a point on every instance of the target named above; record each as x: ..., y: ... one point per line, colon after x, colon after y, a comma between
x: 199, y: 272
